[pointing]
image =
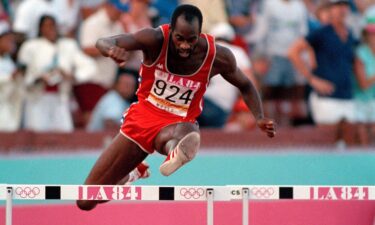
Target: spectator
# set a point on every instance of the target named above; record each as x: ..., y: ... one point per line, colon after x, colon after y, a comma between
x: 11, y: 88
x: 370, y: 10
x: 67, y: 16
x: 135, y: 19
x: 360, y: 9
x: 279, y: 31
x: 220, y: 96
x: 50, y: 62
x: 104, y: 22
x: 242, y: 14
x: 28, y: 14
x: 364, y: 90
x: 330, y: 70
x: 89, y: 7
x: 110, y: 108
x: 276, y: 31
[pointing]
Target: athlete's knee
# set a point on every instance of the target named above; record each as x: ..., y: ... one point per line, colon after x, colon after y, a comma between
x: 86, y: 205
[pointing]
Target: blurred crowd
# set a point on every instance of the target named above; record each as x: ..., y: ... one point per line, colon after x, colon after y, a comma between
x: 313, y: 61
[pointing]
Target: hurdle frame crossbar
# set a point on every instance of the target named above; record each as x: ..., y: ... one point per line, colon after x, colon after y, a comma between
x: 10, y: 192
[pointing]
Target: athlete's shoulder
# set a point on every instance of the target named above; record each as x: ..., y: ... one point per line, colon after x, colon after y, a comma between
x: 224, y: 59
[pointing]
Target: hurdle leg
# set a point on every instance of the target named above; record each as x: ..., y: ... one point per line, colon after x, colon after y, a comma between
x: 245, y: 206
x: 210, y: 206
x: 8, y: 208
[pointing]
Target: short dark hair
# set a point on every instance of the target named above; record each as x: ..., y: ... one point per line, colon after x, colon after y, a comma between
x: 190, y: 12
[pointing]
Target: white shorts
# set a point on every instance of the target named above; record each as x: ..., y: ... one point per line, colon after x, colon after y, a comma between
x: 364, y: 111
x: 327, y: 110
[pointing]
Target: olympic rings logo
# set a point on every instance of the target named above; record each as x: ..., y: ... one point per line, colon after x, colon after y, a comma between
x: 262, y: 192
x: 194, y: 193
x: 27, y: 192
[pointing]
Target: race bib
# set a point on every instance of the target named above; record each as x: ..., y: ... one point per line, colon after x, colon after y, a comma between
x: 172, y: 93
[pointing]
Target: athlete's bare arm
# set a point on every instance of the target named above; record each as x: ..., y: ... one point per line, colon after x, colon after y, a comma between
x: 148, y: 40
x: 225, y: 65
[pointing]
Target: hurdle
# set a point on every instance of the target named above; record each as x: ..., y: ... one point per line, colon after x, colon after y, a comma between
x: 209, y: 194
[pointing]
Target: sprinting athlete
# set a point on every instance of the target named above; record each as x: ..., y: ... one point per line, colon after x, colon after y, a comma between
x: 178, y: 62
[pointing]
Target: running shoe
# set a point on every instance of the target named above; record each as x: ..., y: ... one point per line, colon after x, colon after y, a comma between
x: 140, y: 172
x: 184, y: 152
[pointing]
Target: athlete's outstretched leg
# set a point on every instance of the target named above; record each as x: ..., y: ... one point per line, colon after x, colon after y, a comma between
x: 180, y: 143
x: 117, y: 161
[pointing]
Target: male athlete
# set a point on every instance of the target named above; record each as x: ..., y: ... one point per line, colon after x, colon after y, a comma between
x: 178, y: 62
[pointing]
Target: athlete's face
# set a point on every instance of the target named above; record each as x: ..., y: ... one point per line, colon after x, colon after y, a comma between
x: 185, y: 36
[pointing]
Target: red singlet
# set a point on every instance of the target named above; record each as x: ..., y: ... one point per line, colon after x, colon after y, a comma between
x: 165, y: 98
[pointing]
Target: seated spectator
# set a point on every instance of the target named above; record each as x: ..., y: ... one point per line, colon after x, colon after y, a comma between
x: 364, y: 90
x: 52, y: 63
x: 330, y: 69
x: 104, y: 22
x: 110, y: 108
x: 220, y: 96
x: 11, y: 83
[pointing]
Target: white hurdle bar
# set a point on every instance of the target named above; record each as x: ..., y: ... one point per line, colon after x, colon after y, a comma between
x: 10, y: 192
